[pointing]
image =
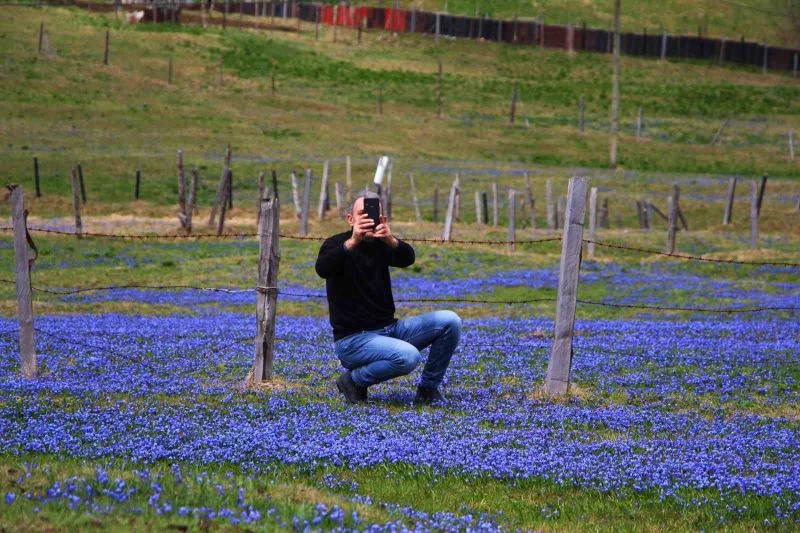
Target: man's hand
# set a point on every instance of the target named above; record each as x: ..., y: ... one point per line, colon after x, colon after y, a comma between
x: 384, y: 233
x: 362, y: 227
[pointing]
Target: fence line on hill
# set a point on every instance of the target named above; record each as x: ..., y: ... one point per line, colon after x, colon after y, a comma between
x: 559, y: 367
x: 519, y: 31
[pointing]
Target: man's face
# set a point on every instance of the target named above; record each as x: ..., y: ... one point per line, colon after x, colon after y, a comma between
x: 358, y: 210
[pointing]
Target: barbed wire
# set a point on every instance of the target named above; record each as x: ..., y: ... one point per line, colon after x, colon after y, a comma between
x: 691, y: 257
x: 691, y: 309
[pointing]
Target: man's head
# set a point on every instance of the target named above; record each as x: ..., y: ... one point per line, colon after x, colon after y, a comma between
x: 357, y: 209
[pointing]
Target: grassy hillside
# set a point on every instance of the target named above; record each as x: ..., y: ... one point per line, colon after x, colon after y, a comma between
x: 66, y: 107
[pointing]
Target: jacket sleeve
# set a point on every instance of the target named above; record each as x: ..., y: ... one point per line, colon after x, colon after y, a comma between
x: 403, y: 256
x: 331, y: 259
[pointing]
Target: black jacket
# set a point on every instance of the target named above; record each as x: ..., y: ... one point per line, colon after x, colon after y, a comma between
x: 358, y: 282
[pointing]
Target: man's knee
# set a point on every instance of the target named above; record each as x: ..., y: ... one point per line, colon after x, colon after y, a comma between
x: 449, y: 320
x: 405, y: 360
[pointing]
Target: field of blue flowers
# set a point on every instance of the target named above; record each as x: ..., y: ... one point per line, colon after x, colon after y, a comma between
x: 142, y: 419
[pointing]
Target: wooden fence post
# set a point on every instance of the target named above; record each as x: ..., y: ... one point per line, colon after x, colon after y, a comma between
x: 323, y: 190
x: 220, y: 186
x: 438, y: 27
x: 306, y: 204
x: 512, y: 220
x: 76, y: 202
x: 558, y: 368
x: 275, y: 184
x: 753, y: 215
x: 23, y: 263
x: 181, y: 188
x: 495, y: 206
x: 81, y: 183
x: 729, y: 206
x: 41, y: 36
x: 36, y: 177
x: 791, y: 146
x: 348, y: 168
x: 485, y: 200
x: 296, y: 196
x: 414, y: 197
x: 267, y: 289
x: 439, y: 88
x: 436, y: 204
x: 478, y: 212
x: 451, y: 205
x: 457, y: 207
x: 761, y: 192
x: 639, y: 125
x: 513, y: 111
x: 169, y: 72
x: 592, y: 221
x: 339, y: 199
x: 581, y: 109
x: 105, y: 51
x: 190, y: 201
x: 223, y: 209
x: 548, y: 198
x: 672, y: 222
x: 605, y: 221
x: 529, y: 196
x: 136, y: 187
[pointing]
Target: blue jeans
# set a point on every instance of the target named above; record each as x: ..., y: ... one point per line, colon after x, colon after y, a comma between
x: 377, y: 355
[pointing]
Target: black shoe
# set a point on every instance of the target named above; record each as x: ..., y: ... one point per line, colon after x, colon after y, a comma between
x: 353, y: 392
x: 428, y: 395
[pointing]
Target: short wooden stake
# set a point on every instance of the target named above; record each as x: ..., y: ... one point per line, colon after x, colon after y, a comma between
x: 560, y: 364
x: 223, y: 209
x: 552, y: 219
x: 529, y: 196
x: 414, y: 198
x: 672, y: 222
x: 181, y: 188
x: 581, y: 110
x: 478, y: 205
x: 323, y: 190
x: 36, y: 177
x: 340, y: 209
x: 137, y: 186
x: 22, y: 264
x: 41, y: 36
x: 76, y: 202
x: 513, y: 110
x: 753, y: 215
x: 791, y: 146
x: 639, y: 125
x: 605, y: 221
x: 729, y: 205
x: 221, y: 186
x: 306, y: 204
x: 348, y: 169
x: 512, y: 220
x: 169, y: 72
x: 267, y: 289
x: 761, y: 192
x: 592, y: 221
x: 105, y: 52
x: 451, y: 205
x: 485, y: 200
x: 81, y: 183
x: 495, y: 206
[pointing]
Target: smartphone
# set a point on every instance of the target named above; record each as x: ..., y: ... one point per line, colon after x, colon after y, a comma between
x: 372, y: 207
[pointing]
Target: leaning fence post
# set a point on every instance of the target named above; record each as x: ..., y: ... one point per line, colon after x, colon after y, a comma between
x: 729, y: 205
x: 495, y: 206
x: 181, y: 189
x: 306, y: 202
x: 592, y: 221
x: 81, y: 183
x: 267, y: 289
x: 672, y: 219
x: 296, y: 196
x: 451, y: 205
x: 76, y: 202
x: 223, y: 209
x: 27, y: 345
x: 323, y: 190
x: 339, y: 199
x: 105, y: 52
x: 512, y: 220
x: 548, y: 198
x: 137, y: 184
x: 761, y: 192
x: 753, y: 215
x: 558, y: 368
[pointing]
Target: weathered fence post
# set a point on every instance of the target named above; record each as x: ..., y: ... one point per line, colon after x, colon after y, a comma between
x: 513, y: 111
x: 137, y: 185
x: 306, y: 204
x: 105, y: 51
x: 761, y: 192
x: 220, y: 186
x: 791, y: 147
x: 548, y: 198
x: 76, y: 202
x: 190, y: 201
x: 439, y: 88
x: 36, y: 177
x: 604, y: 222
x: 438, y: 27
x: 296, y: 196
x: 753, y: 215
x: 457, y: 207
x: 81, y: 183
x: 592, y: 221
x: 558, y: 368
x: 436, y: 204
x: 414, y: 197
x: 22, y: 262
x: 729, y: 206
x: 512, y: 220
x: 41, y: 36
x: 348, y: 168
x: 639, y: 125
x: 672, y: 219
x: 323, y: 190
x: 339, y: 199
x: 267, y: 289
x: 495, y: 206
x: 451, y: 205
x: 223, y: 209
x: 478, y: 212
x: 581, y: 120
x: 485, y: 200
x: 529, y: 196
x: 181, y: 188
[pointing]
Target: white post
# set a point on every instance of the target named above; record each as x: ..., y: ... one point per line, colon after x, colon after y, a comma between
x: 451, y: 203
